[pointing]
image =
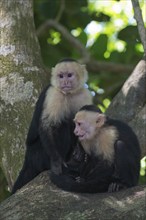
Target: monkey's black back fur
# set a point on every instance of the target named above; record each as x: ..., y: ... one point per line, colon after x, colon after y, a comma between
x: 127, y: 151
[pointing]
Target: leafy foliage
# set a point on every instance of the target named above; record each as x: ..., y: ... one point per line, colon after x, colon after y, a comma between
x: 106, y: 28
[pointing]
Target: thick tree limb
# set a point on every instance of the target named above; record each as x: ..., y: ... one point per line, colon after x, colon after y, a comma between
x: 129, y: 104
x: 42, y: 200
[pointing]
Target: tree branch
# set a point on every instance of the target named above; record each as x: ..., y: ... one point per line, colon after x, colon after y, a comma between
x: 95, y: 66
x: 66, y: 34
x: 92, y: 64
x: 140, y: 23
x: 62, y: 7
x: 40, y: 199
x: 129, y: 104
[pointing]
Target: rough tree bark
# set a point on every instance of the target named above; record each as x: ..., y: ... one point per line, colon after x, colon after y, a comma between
x: 22, y: 75
x: 129, y: 104
x: 39, y: 200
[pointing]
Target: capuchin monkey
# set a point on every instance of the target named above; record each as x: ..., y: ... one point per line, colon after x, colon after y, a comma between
x: 50, y: 138
x: 108, y: 158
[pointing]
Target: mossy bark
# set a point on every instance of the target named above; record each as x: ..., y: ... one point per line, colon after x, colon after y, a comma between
x: 40, y: 199
x: 22, y: 78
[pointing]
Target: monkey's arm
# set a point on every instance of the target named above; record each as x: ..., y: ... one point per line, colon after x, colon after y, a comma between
x: 57, y: 142
x: 42, y: 137
x: 48, y: 142
x: 78, y: 160
x: 92, y: 179
x: 33, y: 133
x: 71, y: 184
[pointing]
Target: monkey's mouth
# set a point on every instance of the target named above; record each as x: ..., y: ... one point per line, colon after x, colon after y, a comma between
x: 81, y: 137
x: 66, y: 87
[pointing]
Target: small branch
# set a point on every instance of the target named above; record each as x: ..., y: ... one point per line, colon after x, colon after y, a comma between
x: 62, y: 7
x: 66, y: 34
x: 95, y: 66
x: 140, y: 23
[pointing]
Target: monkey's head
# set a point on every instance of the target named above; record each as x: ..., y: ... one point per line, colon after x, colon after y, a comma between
x: 69, y: 76
x: 88, y: 122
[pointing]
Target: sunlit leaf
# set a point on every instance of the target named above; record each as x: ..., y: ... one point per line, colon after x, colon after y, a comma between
x: 100, y: 46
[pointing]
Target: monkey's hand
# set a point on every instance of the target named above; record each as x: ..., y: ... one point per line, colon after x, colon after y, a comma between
x: 115, y: 187
x: 56, y: 167
x: 78, y: 179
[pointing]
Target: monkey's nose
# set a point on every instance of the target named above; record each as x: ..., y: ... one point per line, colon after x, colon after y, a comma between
x: 66, y: 82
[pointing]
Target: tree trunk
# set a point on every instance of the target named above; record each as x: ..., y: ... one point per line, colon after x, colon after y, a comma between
x: 21, y: 80
x: 129, y: 104
x: 40, y: 199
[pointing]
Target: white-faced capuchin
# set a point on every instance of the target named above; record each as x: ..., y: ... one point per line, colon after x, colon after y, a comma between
x: 50, y: 138
x: 108, y: 159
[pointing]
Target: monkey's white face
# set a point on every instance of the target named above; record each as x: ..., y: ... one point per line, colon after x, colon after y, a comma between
x: 69, y: 76
x: 67, y: 81
x: 83, y: 130
x: 85, y: 127
x: 87, y: 124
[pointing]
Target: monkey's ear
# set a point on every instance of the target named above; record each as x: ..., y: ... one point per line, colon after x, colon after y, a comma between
x: 85, y: 73
x: 100, y: 120
x: 83, y: 66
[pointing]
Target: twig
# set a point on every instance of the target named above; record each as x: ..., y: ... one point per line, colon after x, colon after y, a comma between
x: 66, y: 34
x: 62, y: 7
x: 140, y: 23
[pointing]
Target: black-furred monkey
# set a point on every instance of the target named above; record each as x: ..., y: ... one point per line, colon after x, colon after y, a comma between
x: 108, y: 158
x: 50, y: 139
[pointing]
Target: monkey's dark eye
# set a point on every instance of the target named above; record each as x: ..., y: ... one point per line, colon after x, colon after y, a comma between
x: 60, y: 75
x: 69, y: 74
x: 79, y: 123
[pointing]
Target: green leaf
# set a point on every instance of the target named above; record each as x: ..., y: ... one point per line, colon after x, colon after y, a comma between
x: 100, y: 46
x: 83, y: 38
x: 129, y: 34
